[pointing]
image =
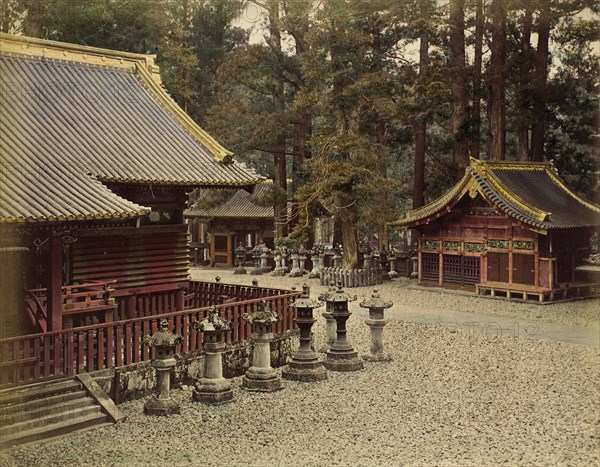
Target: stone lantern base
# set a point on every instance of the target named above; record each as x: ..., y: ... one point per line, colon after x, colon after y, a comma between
x: 305, y: 366
x: 381, y: 357
x: 342, y: 360
x: 156, y: 406
x: 211, y: 391
x: 304, y: 373
x: 261, y: 380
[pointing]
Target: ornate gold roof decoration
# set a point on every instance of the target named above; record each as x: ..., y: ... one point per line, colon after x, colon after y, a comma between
x: 511, y: 187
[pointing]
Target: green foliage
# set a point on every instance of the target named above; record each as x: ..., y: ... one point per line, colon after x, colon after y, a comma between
x: 349, y: 68
x: 573, y: 113
x: 118, y: 24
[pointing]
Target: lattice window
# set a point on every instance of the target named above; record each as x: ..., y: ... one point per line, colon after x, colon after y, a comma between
x: 471, y: 269
x: 430, y: 267
x: 452, y: 268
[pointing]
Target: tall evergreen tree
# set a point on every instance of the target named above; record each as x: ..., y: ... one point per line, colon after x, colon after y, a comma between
x: 497, y: 102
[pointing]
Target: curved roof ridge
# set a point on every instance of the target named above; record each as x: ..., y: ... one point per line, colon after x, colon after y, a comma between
x: 531, y: 193
x: 486, y: 171
x: 435, y: 205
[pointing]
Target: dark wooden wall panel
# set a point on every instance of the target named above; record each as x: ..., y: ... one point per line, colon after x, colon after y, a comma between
x: 134, y: 260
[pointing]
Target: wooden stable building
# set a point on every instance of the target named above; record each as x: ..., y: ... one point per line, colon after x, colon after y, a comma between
x: 96, y: 163
x: 220, y: 220
x: 506, y: 228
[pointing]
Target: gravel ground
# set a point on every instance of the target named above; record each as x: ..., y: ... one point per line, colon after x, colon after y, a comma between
x: 448, y: 398
x: 403, y: 292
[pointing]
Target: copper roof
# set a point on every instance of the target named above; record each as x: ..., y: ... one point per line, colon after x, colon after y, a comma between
x: 73, y: 116
x: 241, y: 204
x: 531, y: 193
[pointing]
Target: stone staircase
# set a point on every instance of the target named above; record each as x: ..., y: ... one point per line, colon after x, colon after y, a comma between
x: 51, y: 409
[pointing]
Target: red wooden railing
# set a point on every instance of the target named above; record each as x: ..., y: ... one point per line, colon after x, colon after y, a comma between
x: 76, y: 298
x: 199, y: 294
x: 80, y: 350
x: 84, y: 299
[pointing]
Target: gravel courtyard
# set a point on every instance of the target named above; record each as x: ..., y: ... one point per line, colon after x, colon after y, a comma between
x: 451, y: 396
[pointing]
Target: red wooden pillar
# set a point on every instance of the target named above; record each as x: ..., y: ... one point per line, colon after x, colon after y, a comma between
x: 131, y: 306
x: 54, y: 303
x: 179, y: 300
x: 230, y: 250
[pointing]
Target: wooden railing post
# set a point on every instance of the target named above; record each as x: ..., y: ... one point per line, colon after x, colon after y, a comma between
x: 69, y: 367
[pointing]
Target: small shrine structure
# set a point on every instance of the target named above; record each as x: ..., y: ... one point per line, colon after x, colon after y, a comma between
x: 222, y: 219
x: 512, y: 229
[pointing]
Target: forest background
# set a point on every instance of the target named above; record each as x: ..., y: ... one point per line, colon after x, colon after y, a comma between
x: 364, y: 108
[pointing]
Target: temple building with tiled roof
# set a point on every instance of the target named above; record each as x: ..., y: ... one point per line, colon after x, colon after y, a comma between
x: 506, y: 228
x: 96, y: 161
x: 222, y: 219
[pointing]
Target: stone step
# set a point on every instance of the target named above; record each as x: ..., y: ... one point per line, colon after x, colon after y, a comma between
x: 42, y: 390
x: 53, y: 405
x: 49, y: 419
x: 10, y: 410
x: 54, y: 430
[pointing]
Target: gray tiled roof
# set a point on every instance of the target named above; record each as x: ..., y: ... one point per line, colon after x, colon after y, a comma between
x: 66, y: 126
x: 240, y: 205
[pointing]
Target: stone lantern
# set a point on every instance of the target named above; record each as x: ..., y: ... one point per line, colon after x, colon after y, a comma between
x: 368, y: 260
x: 279, y: 270
x: 264, y: 258
x: 240, y: 254
x: 392, y: 261
x: 295, y: 271
x: 337, y: 258
x: 330, y: 324
x: 341, y: 356
x: 305, y: 365
x: 376, y: 322
x: 317, y: 255
x: 212, y: 388
x: 302, y: 257
x: 261, y: 376
x: 164, y: 342
x: 415, y: 267
x: 256, y: 252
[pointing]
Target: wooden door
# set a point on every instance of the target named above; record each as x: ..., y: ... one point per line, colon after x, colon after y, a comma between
x: 497, y: 266
x: 523, y: 269
x: 220, y: 249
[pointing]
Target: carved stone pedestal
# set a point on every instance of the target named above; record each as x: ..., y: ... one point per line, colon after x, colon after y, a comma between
x: 212, y: 388
x: 164, y: 342
x: 261, y: 377
x: 341, y: 356
x: 377, y: 353
x: 305, y: 365
x: 376, y: 323
x: 161, y: 403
